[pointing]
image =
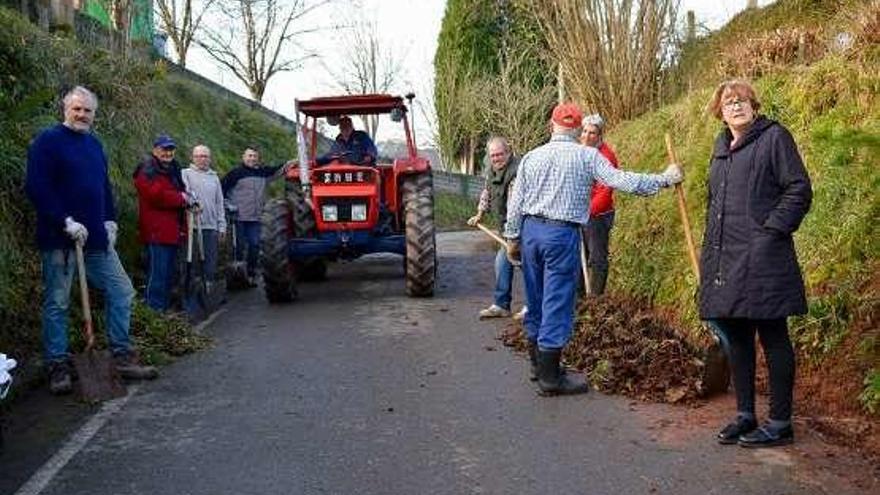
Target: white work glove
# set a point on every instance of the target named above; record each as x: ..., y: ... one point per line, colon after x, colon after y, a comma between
x: 75, y: 230
x: 6, y: 365
x: 673, y: 174
x: 474, y: 220
x: 112, y: 229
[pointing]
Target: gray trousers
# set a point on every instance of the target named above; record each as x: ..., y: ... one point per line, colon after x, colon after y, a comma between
x: 596, y: 235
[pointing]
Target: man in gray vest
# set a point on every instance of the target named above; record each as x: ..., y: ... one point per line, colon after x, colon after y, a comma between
x: 499, y: 178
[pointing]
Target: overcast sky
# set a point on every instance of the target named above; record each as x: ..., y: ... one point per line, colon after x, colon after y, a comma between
x: 410, y: 28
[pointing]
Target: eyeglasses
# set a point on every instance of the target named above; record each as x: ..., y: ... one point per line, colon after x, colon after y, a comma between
x: 730, y: 105
x: 497, y: 155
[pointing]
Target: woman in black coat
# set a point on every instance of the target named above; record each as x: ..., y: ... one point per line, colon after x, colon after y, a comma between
x: 759, y: 192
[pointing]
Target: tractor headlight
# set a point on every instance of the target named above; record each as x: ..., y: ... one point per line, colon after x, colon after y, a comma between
x: 359, y: 212
x: 330, y: 213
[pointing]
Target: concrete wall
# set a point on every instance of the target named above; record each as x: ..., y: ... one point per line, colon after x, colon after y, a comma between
x: 465, y: 185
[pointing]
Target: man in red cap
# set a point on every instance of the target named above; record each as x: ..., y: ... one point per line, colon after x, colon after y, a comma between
x: 548, y: 206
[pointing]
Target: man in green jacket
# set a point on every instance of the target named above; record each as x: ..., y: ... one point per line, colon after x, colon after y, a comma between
x: 499, y: 178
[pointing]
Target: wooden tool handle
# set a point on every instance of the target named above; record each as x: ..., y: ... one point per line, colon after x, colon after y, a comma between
x: 199, y: 239
x: 682, y: 209
x: 493, y: 235
x: 84, y: 296
x: 583, y: 250
x: 189, y: 236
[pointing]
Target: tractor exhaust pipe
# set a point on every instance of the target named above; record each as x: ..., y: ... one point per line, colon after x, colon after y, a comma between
x: 412, y: 120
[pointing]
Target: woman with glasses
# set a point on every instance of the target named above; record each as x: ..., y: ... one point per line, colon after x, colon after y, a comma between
x: 759, y: 192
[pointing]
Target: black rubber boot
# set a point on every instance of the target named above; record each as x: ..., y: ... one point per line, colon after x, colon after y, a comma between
x: 533, y: 359
x: 552, y: 381
x: 597, y: 281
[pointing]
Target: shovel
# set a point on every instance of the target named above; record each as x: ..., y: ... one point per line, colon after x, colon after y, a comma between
x: 497, y: 238
x: 98, y: 378
x: 717, y: 371
x: 194, y: 298
x: 236, y: 273
x: 583, y: 250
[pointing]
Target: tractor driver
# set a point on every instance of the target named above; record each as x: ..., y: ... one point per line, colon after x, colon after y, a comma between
x: 351, y: 146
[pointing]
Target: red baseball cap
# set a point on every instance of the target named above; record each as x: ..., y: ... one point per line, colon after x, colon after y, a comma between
x: 567, y: 115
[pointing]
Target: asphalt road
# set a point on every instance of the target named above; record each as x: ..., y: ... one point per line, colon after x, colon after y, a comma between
x: 356, y: 389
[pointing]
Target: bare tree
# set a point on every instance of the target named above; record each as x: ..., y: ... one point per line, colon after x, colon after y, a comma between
x: 509, y: 106
x: 367, y: 66
x: 253, y: 35
x: 610, y: 51
x: 181, y: 20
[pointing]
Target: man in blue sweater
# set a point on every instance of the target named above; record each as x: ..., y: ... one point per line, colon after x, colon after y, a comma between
x: 68, y: 183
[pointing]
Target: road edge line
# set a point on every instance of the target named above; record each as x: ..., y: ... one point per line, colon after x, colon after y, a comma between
x: 43, y: 476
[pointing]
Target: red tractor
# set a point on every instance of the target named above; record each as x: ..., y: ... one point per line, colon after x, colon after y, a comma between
x: 342, y: 210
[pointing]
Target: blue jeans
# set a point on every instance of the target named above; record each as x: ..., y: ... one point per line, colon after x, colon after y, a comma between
x: 104, y: 272
x: 550, y: 259
x: 503, y: 280
x: 161, y: 274
x: 210, y: 240
x: 248, y: 240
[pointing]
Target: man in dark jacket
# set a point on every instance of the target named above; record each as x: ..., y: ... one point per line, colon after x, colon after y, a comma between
x: 68, y: 183
x: 245, y: 188
x: 351, y: 146
x: 162, y: 201
x: 499, y: 177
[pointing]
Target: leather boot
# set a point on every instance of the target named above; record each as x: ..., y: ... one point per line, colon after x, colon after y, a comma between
x: 129, y: 367
x: 597, y: 281
x: 552, y: 381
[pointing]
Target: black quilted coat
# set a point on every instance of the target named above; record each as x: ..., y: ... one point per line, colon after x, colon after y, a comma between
x: 759, y: 192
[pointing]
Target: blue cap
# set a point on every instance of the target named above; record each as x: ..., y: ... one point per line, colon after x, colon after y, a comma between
x: 164, y: 141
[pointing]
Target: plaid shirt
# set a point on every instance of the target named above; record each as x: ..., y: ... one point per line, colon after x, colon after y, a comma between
x: 555, y: 179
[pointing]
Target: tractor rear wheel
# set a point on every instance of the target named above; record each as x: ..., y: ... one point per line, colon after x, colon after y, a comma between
x: 279, y: 277
x: 421, y: 253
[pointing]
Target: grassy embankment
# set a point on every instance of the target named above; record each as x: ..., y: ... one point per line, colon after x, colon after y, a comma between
x: 137, y: 101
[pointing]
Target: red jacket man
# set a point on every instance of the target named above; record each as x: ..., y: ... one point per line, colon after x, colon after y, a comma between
x: 162, y: 200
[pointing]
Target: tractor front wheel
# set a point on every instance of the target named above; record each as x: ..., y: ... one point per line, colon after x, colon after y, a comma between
x: 279, y: 279
x: 421, y: 253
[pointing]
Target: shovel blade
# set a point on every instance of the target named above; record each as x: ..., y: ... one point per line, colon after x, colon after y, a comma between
x: 716, y: 374
x: 98, y: 378
x: 236, y: 276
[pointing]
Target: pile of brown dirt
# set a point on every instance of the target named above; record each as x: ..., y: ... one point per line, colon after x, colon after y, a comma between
x: 626, y: 348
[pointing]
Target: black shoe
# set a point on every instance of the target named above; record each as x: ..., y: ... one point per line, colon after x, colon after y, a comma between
x: 552, y: 381
x: 740, y: 426
x: 60, y: 379
x: 767, y: 436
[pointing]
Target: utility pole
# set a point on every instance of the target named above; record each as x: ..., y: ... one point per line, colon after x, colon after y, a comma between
x: 560, y: 84
x: 691, y: 26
